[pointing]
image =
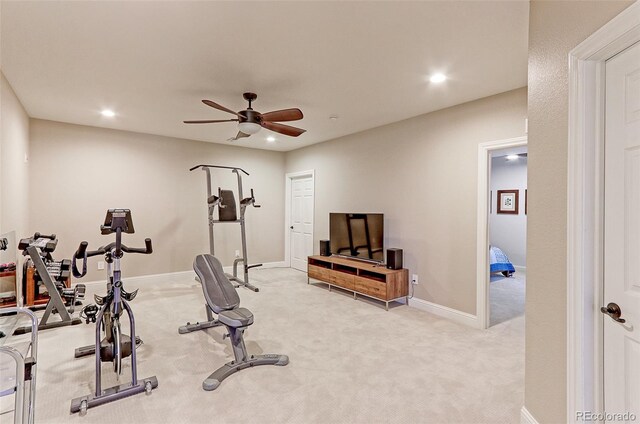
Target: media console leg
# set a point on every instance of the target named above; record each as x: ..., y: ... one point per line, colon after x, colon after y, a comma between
x: 386, y: 305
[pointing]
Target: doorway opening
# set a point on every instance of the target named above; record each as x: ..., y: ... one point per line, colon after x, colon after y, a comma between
x: 488, y: 202
x: 507, y: 234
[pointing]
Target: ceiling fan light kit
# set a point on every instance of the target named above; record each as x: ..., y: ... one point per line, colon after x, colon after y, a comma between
x: 249, y: 127
x: 251, y: 121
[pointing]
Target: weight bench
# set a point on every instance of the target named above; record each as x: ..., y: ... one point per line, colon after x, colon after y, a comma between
x: 223, y: 300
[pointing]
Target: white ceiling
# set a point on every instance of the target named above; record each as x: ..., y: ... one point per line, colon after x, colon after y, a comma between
x: 152, y: 62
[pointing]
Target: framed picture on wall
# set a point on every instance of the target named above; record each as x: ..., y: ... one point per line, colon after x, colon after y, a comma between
x: 508, y: 201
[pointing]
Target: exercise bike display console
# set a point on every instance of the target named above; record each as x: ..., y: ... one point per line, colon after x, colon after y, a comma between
x: 115, y: 346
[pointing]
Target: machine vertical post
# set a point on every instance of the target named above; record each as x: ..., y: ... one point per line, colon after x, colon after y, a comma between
x: 210, y: 212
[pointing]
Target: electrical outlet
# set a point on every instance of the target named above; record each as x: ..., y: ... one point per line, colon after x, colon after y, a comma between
x: 414, y: 279
x: 100, y: 265
x: 237, y: 254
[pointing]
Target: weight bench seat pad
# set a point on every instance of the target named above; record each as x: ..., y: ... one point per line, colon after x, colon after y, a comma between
x: 235, y: 318
x: 218, y: 290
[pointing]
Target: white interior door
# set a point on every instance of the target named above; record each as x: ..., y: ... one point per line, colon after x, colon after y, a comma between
x: 622, y: 232
x: 301, y: 226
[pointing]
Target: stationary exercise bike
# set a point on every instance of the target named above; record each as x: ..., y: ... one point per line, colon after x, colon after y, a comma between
x: 115, y: 346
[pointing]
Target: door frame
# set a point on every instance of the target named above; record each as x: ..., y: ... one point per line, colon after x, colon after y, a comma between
x: 585, y: 208
x: 287, y: 210
x: 482, y: 256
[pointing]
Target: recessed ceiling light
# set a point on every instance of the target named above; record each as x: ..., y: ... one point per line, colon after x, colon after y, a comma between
x: 334, y: 117
x: 271, y: 139
x: 108, y: 113
x: 512, y: 157
x: 437, y: 78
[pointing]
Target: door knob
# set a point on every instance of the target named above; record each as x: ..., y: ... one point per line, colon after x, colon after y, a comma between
x: 614, y: 311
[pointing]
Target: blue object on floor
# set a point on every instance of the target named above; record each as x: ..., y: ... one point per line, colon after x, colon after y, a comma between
x: 499, y: 262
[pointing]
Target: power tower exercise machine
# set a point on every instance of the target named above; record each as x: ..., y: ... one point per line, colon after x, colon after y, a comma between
x: 227, y: 214
x: 225, y: 201
x: 51, y: 274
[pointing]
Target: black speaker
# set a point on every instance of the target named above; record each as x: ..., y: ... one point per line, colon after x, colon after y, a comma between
x: 394, y: 258
x: 325, y: 248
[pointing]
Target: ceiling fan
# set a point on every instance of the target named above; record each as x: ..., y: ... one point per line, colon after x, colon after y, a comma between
x: 251, y: 121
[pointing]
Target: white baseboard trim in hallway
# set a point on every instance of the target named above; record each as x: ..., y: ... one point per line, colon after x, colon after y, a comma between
x: 171, y: 276
x: 445, y: 312
x: 520, y: 268
x: 526, y: 417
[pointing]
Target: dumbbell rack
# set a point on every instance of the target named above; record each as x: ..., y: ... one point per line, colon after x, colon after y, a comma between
x: 32, y: 298
x: 31, y: 247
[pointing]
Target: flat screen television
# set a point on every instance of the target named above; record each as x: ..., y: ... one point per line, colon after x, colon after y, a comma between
x: 357, y: 235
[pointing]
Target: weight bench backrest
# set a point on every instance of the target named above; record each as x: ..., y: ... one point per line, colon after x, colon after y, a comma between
x: 218, y: 290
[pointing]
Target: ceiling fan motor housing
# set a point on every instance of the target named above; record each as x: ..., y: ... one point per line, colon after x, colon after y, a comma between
x: 250, y: 115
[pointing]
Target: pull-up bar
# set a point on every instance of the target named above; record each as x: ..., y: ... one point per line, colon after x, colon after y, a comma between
x: 218, y: 166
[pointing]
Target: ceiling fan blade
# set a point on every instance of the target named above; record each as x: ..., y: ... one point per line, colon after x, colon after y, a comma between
x: 283, y: 129
x: 217, y: 106
x: 210, y: 121
x: 283, y: 115
x: 238, y: 136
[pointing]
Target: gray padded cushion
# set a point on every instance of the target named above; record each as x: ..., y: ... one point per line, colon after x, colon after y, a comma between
x: 239, y: 317
x: 228, y: 212
x: 218, y: 290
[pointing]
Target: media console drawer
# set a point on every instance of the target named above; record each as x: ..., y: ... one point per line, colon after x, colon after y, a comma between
x: 343, y: 280
x: 371, y: 287
x: 363, y: 278
x: 318, y: 272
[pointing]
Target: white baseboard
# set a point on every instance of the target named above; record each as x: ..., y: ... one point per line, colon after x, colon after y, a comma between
x: 520, y: 268
x: 158, y: 278
x: 266, y: 265
x: 172, y: 276
x: 526, y: 417
x: 445, y: 312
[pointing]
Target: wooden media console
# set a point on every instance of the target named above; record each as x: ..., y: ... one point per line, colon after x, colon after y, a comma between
x: 364, y: 278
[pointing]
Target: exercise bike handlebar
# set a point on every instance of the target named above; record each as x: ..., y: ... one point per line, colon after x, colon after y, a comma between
x: 83, y: 254
x: 82, y: 249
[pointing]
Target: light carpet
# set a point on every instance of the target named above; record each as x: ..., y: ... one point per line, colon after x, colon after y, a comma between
x: 507, y: 297
x: 350, y: 362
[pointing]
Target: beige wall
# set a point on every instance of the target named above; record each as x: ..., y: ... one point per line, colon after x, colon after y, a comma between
x: 422, y: 174
x: 78, y: 172
x: 554, y: 29
x: 14, y: 169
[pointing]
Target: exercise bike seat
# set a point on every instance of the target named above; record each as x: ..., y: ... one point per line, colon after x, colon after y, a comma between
x: 220, y: 294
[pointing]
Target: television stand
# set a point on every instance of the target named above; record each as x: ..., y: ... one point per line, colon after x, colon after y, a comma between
x: 361, y: 278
